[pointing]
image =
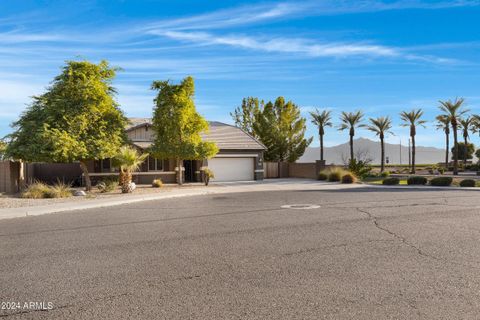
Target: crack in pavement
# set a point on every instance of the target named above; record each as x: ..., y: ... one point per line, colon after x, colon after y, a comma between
x: 405, y: 241
x: 340, y: 245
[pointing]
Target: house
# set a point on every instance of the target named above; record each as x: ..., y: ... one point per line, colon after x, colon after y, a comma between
x: 240, y: 156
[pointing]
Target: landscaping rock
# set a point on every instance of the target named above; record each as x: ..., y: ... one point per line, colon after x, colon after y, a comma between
x: 79, y: 193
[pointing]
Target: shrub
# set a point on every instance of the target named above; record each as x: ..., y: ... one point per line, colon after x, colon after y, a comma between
x: 441, y: 181
x: 417, y: 180
x: 391, y: 181
x: 39, y: 190
x: 36, y: 190
x: 359, y: 168
x: 107, y: 185
x: 348, y: 178
x: 441, y: 170
x: 323, y: 175
x: 59, y: 190
x: 385, y: 174
x: 157, y: 183
x: 468, y: 183
x: 335, y: 174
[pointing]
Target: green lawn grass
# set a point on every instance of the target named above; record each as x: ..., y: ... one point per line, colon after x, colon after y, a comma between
x: 378, y: 181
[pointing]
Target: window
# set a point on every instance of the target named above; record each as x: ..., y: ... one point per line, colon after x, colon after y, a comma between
x: 155, y: 164
x: 106, y: 165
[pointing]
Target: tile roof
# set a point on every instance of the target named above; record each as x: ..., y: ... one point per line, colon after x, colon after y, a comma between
x: 227, y: 137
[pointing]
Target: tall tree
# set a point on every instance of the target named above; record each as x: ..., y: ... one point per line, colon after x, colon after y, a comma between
x: 351, y: 121
x: 381, y: 126
x: 321, y: 120
x: 464, y: 151
x: 177, y: 125
x: 77, y: 119
x: 453, y: 110
x: 244, y: 115
x: 413, y: 119
x: 443, y: 123
x: 466, y: 124
x: 281, y: 128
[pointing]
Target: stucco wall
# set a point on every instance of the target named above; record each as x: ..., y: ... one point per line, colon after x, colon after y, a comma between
x: 9, y: 176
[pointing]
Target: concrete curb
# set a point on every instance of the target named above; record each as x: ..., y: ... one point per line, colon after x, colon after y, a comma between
x: 422, y: 187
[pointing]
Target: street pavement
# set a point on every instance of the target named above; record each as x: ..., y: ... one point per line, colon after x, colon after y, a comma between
x: 359, y: 253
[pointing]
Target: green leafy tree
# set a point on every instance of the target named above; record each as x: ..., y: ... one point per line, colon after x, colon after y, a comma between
x: 443, y: 123
x: 321, y: 120
x: 464, y: 152
x: 127, y: 160
x: 281, y: 128
x: 466, y: 124
x: 381, y: 126
x: 3, y: 149
x: 244, y: 115
x: 177, y: 125
x: 413, y: 119
x: 453, y: 110
x: 77, y: 119
x: 477, y: 154
x: 351, y: 121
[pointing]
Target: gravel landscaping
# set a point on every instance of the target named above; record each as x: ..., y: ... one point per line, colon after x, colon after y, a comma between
x: 15, y: 201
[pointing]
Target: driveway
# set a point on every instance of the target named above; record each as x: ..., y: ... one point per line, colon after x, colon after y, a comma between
x: 364, y: 253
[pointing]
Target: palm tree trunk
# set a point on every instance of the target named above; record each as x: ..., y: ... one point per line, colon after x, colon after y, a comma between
x: 455, y: 156
x: 88, y: 182
x: 413, y: 154
x: 351, y: 148
x: 465, y: 153
x: 447, y: 152
x: 382, y: 158
x: 321, y: 147
x: 179, y: 175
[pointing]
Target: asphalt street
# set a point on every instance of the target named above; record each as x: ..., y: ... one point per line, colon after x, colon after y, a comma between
x: 360, y: 254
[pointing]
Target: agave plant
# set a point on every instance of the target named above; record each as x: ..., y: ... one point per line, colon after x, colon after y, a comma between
x: 128, y: 160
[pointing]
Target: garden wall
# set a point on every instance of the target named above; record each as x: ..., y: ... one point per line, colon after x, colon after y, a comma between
x: 308, y: 170
x: 9, y: 172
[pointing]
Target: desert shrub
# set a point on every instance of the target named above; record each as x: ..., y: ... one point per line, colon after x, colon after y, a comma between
x: 348, y: 178
x: 36, y: 190
x: 157, y: 183
x: 385, y: 174
x: 335, y: 174
x: 359, y: 168
x: 391, y: 181
x: 323, y: 175
x: 39, y: 190
x: 468, y: 183
x: 417, y: 180
x: 59, y: 190
x: 441, y: 181
x: 441, y: 170
x: 107, y: 185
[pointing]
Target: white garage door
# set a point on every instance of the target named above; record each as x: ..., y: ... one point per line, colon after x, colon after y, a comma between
x: 232, y: 169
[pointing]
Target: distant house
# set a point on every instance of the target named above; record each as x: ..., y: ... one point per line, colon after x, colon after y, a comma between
x: 240, y: 157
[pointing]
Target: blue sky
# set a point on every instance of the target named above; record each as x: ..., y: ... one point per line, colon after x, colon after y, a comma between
x: 378, y: 56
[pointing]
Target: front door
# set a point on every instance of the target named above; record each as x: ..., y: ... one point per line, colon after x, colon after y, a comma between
x: 188, y: 164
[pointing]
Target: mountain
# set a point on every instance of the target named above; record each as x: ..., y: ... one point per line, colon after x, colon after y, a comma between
x: 366, y: 148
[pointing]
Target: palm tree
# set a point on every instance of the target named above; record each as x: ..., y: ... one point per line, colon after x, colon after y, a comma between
x: 128, y: 160
x: 466, y: 124
x: 412, y: 120
x: 381, y: 126
x: 351, y: 120
x: 453, y: 110
x: 321, y: 120
x: 443, y: 123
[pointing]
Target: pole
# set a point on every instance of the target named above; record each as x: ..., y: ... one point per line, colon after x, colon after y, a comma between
x: 400, y: 151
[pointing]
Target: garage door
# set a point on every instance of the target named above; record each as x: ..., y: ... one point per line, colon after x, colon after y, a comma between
x: 232, y: 169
